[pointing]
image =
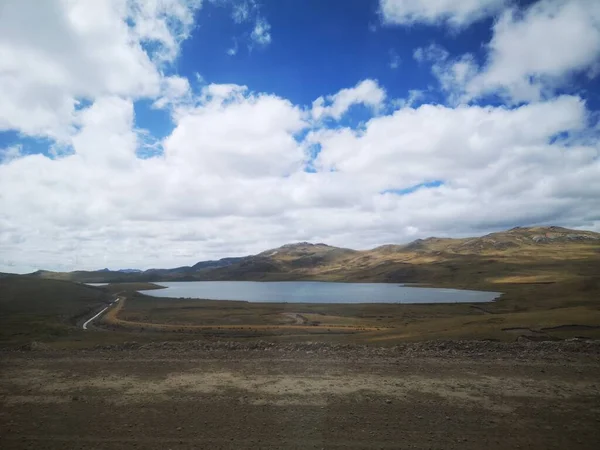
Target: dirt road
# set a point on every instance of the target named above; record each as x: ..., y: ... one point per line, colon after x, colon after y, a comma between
x: 185, y: 396
x: 298, y: 319
x: 95, y: 316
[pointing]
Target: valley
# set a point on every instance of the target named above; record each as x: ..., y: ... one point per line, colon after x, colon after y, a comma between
x: 520, y: 371
x: 548, y: 277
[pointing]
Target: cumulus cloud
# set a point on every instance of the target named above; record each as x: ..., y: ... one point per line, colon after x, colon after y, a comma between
x: 532, y: 53
x: 174, y: 90
x: 367, y: 92
x: 455, y: 13
x: 243, y: 171
x: 164, y: 23
x: 442, y: 143
x: 9, y: 153
x: 453, y: 74
x: 231, y: 181
x: 81, y: 50
x: 235, y: 133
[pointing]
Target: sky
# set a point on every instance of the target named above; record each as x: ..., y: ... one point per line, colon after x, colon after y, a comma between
x: 159, y: 133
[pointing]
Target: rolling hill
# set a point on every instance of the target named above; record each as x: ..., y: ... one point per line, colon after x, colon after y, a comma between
x: 525, y: 254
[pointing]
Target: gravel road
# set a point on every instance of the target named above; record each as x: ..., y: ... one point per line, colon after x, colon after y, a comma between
x: 232, y: 396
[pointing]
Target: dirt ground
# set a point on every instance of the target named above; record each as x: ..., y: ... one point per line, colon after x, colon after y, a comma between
x: 461, y: 395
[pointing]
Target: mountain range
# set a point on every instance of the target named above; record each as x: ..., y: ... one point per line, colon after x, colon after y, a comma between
x: 525, y: 252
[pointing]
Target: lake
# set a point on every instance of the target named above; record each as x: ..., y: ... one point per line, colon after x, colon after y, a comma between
x: 316, y: 292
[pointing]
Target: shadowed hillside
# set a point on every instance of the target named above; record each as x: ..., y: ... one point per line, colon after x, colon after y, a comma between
x: 44, y: 308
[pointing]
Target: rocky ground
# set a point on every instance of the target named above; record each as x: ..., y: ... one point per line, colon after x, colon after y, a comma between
x: 264, y: 395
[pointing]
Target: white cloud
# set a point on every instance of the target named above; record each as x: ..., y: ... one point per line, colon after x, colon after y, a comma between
x: 81, y: 50
x: 106, y: 135
x: 237, y: 134
x: 232, y: 51
x: 174, y: 90
x: 10, y: 153
x: 531, y: 55
x: 261, y: 34
x: 441, y: 143
x: 216, y: 94
x: 248, y: 12
x: 199, y: 78
x: 394, y: 59
x: 414, y: 95
x: 453, y: 74
x: 533, y: 52
x: 231, y: 179
x: 432, y: 53
x: 163, y: 22
x: 367, y: 92
x: 456, y: 13
x: 241, y: 11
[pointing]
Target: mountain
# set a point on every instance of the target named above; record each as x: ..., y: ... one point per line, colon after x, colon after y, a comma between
x: 307, y: 255
x: 515, y: 238
x: 526, y: 251
x: 224, y: 262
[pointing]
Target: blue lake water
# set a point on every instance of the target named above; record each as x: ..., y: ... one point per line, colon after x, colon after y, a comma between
x: 316, y: 292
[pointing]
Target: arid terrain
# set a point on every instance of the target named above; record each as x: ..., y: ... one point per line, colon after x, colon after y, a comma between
x: 520, y: 372
x: 454, y: 395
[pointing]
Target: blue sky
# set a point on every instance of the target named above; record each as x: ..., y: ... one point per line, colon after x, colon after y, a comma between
x: 224, y: 127
x: 315, y: 51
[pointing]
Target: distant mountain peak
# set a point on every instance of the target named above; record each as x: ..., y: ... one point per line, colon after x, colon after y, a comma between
x: 304, y: 244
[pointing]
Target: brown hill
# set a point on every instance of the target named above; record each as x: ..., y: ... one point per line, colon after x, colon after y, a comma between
x: 530, y: 253
x: 526, y: 253
x: 306, y: 255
